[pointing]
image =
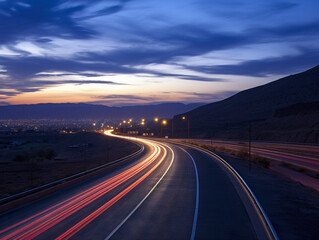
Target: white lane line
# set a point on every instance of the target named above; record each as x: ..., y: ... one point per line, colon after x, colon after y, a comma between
x: 138, y: 205
x: 197, y: 197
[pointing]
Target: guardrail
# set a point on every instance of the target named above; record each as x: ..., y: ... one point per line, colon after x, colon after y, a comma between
x: 12, y: 201
x: 261, y: 213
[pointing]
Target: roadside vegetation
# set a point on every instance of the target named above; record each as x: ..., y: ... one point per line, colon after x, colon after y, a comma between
x: 243, y: 153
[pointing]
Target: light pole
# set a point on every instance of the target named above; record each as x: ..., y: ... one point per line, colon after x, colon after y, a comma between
x: 188, y: 125
x: 163, y: 123
x: 172, y: 127
x: 143, y: 123
x: 156, y: 121
x: 249, y: 145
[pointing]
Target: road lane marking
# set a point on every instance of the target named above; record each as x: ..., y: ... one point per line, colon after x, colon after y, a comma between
x: 268, y: 228
x: 197, y: 196
x: 80, y: 225
x: 141, y: 202
x: 95, y: 192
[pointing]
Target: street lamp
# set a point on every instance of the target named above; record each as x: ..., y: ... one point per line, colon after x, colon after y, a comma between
x: 188, y: 127
x: 156, y: 121
x: 163, y: 123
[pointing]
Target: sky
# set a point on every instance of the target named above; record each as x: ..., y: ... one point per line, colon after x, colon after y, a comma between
x: 124, y: 52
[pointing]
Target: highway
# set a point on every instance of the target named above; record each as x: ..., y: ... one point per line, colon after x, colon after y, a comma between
x: 304, y: 156
x: 169, y: 191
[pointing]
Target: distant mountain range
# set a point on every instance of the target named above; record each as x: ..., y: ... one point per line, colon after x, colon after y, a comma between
x: 265, y: 107
x: 70, y: 111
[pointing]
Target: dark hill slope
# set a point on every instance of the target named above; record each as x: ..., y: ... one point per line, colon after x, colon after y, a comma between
x: 255, y: 104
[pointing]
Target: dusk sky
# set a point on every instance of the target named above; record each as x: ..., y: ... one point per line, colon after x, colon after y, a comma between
x: 141, y: 51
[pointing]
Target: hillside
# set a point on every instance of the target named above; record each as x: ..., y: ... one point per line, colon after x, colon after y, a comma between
x: 230, y: 117
x: 89, y: 111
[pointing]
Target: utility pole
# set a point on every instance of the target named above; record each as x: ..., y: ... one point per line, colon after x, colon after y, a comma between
x: 211, y: 138
x: 188, y: 128
x: 161, y: 130
x: 172, y: 127
x: 249, y: 145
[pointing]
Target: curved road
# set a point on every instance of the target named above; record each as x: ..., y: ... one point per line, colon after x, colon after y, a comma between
x: 170, y: 191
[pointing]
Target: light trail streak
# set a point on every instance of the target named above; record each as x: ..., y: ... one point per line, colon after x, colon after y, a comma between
x: 76, y: 228
x: 280, y: 152
x: 147, y: 195
x: 68, y: 207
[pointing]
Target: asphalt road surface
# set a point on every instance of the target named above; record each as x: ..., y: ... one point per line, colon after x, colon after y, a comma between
x: 170, y: 191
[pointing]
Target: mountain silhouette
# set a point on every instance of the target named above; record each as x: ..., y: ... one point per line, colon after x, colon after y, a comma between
x: 257, y: 105
x: 73, y: 111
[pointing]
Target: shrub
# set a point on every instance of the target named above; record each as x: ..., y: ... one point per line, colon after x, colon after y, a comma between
x: 50, y: 153
x: 21, y: 158
x: 261, y: 161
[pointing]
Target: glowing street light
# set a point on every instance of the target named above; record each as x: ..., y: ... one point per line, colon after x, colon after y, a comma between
x: 188, y: 127
x: 163, y: 123
x: 124, y: 121
x: 156, y: 119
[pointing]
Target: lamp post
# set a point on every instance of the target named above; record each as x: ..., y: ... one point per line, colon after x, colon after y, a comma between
x: 249, y: 145
x: 156, y: 121
x: 172, y: 121
x: 163, y: 123
x: 143, y: 123
x: 188, y: 125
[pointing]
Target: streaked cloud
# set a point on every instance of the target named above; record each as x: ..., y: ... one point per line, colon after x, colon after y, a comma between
x: 204, y: 47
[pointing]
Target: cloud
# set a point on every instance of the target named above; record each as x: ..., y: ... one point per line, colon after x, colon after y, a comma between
x: 40, y: 18
x: 8, y: 93
x: 204, y: 97
x: 3, y: 103
x: 124, y: 97
x: 187, y: 77
x: 289, y: 31
x: 264, y: 67
x: 61, y: 74
x: 37, y: 85
x: 182, y: 40
x: 129, y: 35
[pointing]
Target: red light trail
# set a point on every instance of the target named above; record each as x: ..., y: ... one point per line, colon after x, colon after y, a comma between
x: 33, y: 226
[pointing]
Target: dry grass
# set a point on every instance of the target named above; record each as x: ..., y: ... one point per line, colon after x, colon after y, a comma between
x: 243, y: 154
